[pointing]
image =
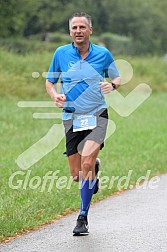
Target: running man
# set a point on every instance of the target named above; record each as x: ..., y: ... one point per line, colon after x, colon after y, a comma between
x: 82, y: 68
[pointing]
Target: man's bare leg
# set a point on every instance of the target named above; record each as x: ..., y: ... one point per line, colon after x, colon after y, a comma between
x: 75, y: 166
x: 88, y: 158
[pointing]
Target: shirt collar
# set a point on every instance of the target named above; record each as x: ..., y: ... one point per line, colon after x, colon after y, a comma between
x: 90, y: 47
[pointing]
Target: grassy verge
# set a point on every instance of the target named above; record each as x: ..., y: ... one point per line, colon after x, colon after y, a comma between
x: 138, y: 144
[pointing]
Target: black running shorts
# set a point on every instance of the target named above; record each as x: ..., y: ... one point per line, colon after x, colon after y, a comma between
x: 75, y: 140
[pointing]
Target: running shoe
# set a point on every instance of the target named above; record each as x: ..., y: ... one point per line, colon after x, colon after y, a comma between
x: 81, y: 226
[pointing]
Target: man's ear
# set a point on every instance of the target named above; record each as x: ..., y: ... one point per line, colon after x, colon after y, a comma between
x: 91, y: 30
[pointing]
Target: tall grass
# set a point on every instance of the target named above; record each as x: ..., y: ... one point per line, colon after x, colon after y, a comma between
x: 16, y: 73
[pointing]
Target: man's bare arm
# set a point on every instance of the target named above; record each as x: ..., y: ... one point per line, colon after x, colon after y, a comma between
x: 107, y: 87
x: 58, y: 99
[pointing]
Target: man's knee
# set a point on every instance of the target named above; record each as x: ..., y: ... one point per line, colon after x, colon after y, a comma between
x: 87, y: 166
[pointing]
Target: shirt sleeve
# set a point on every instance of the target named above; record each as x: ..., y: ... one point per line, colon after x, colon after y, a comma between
x: 110, y: 70
x: 54, y: 69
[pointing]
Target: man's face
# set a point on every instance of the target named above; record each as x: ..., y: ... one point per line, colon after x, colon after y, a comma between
x: 80, y: 30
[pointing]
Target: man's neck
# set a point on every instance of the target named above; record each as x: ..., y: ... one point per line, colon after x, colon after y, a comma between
x: 83, y: 49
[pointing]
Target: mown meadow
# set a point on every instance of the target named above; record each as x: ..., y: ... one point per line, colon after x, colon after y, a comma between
x: 138, y: 143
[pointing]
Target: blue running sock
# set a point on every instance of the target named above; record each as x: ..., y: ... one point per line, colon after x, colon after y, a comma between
x: 87, y: 189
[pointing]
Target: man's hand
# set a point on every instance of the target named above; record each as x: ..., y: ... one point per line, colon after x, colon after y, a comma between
x: 106, y: 87
x: 59, y: 100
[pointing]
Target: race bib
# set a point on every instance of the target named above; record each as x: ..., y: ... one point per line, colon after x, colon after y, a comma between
x: 84, y: 122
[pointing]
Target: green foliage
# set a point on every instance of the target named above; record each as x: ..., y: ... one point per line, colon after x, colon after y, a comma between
x: 149, y: 70
x: 23, y: 46
x: 16, y: 73
x: 13, y: 16
x: 117, y: 44
x: 59, y: 38
x: 142, y: 21
x: 50, y: 16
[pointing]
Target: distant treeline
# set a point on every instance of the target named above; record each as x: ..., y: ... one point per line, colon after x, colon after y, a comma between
x: 140, y: 26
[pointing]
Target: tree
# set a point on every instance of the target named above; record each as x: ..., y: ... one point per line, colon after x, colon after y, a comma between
x: 13, y: 16
x: 143, y: 21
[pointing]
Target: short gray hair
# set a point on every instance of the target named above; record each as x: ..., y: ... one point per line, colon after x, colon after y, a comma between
x: 81, y: 14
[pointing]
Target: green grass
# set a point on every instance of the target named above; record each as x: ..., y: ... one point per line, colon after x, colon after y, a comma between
x: 16, y: 73
x: 138, y: 144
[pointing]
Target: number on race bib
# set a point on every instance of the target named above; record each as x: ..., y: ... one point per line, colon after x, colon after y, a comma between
x: 84, y: 123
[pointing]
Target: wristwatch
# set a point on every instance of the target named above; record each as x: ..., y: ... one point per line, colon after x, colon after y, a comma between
x: 114, y: 85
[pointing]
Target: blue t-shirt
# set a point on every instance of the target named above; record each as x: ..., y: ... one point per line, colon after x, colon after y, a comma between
x: 80, y: 78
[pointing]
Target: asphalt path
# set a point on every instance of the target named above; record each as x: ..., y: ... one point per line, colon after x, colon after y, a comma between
x: 135, y: 220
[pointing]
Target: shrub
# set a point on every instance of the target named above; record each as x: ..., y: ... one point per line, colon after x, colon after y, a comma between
x: 59, y: 38
x: 23, y: 46
x: 116, y: 43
